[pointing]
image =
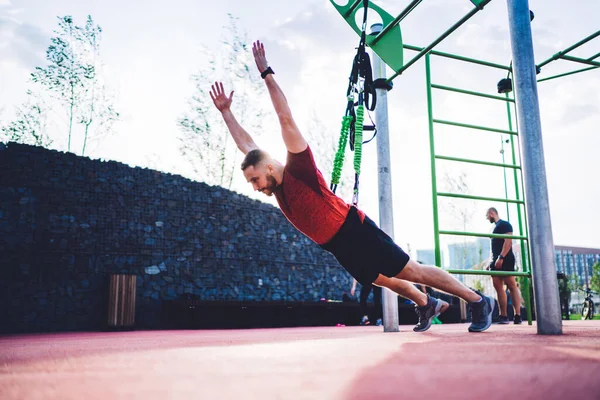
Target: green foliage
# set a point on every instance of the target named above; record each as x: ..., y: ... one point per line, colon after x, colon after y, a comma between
x: 205, y: 141
x: 595, y: 278
x: 70, y: 83
x: 29, y: 125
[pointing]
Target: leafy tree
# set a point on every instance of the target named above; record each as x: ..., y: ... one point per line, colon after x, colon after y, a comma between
x: 595, y: 278
x: 205, y: 141
x: 71, y: 80
x: 29, y: 125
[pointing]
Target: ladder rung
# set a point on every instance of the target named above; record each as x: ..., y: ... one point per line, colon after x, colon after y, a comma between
x: 470, y: 197
x: 469, y: 92
x: 483, y: 272
x: 482, y: 128
x: 492, y: 164
x: 477, y: 234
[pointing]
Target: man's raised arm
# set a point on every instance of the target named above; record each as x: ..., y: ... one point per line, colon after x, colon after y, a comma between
x: 223, y: 103
x: 293, y: 139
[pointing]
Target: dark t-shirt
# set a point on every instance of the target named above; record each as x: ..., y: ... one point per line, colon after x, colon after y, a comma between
x: 502, y: 227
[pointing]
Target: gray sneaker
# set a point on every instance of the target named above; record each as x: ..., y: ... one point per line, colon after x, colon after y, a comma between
x: 426, y: 313
x: 481, y: 314
x: 502, y: 320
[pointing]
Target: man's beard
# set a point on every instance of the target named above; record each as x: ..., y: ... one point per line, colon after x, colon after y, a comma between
x: 491, y: 220
x: 271, y: 186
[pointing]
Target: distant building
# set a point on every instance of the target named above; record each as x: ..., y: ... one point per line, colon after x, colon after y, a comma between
x: 466, y: 255
x: 576, y: 261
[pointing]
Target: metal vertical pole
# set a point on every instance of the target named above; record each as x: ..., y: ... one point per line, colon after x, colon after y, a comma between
x: 545, y: 284
x: 386, y: 214
x: 524, y: 252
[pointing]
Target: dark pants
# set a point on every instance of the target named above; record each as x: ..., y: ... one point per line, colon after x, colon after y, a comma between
x: 364, y: 294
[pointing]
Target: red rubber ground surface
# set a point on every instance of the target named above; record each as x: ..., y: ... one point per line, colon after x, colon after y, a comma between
x: 446, y: 362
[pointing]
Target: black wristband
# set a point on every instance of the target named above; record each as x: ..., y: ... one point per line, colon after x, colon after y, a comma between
x: 266, y: 72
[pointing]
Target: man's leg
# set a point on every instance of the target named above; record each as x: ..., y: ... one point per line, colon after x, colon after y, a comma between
x: 427, y: 307
x: 378, y: 306
x: 502, y: 300
x: 515, y: 293
x: 364, y: 294
x: 403, y: 288
x: 437, y: 278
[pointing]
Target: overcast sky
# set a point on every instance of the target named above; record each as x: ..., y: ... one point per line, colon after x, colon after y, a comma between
x: 151, y: 48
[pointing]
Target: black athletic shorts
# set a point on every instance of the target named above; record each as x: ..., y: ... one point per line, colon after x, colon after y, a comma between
x: 507, y: 265
x: 366, y: 251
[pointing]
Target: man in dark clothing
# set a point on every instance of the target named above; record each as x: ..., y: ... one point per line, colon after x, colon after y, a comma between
x: 503, y: 259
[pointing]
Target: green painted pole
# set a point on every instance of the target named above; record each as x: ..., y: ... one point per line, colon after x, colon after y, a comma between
x: 567, y: 74
x: 568, y: 49
x: 436, y: 222
x: 581, y: 60
x: 463, y: 91
x: 457, y: 57
x: 439, y: 39
x: 484, y: 272
x: 488, y: 163
x: 413, y: 4
x: 471, y: 197
x: 470, y: 126
x: 487, y: 235
x: 353, y: 7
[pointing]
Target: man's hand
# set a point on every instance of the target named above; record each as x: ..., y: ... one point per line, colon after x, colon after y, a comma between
x: 217, y: 94
x: 258, y: 49
x: 498, y: 263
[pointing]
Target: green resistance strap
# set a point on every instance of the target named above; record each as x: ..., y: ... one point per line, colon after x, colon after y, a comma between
x: 338, y: 162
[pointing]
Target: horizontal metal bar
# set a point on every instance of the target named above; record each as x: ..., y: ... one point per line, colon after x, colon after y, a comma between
x: 352, y: 8
x: 481, y: 128
x: 593, y: 57
x: 483, y: 272
x: 487, y: 235
x: 470, y: 197
x: 469, y: 92
x: 460, y: 58
x: 465, y: 160
x: 439, y: 39
x: 568, y: 49
x: 566, y: 74
x: 581, y: 60
x: 413, y: 4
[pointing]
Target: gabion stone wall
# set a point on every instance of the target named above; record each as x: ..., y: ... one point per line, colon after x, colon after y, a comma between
x: 67, y: 223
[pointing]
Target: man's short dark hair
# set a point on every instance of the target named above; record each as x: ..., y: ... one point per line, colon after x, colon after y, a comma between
x: 493, y: 209
x: 253, y: 158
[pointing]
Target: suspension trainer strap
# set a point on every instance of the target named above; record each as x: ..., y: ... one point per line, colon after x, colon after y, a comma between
x: 338, y: 163
x: 358, y: 150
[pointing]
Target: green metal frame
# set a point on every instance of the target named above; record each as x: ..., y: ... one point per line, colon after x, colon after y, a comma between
x: 389, y: 46
x: 562, y: 55
x: 514, y: 166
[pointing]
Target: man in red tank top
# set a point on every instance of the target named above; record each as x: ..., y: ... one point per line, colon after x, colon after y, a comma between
x: 303, y: 195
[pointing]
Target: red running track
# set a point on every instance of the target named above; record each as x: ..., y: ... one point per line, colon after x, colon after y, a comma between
x: 446, y: 362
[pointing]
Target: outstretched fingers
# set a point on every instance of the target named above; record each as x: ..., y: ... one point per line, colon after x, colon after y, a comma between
x: 258, y: 48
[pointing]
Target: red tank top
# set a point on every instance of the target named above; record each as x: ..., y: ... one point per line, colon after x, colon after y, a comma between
x: 306, y: 200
